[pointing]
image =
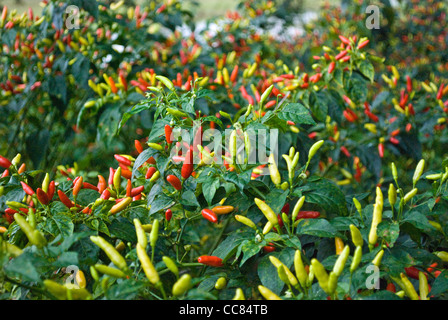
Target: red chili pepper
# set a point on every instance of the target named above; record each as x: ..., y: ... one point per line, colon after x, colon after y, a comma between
x: 77, y: 186
x: 102, y: 184
x: 308, y: 215
x: 168, y: 214
x: 111, y: 176
x: 209, y: 215
x: 269, y: 248
x: 128, y: 188
x: 123, y: 160
x: 174, y: 181
x: 331, y: 67
x: 28, y: 190
x: 341, y: 55
x: 371, y: 116
x: 136, y: 191
x: 187, y: 167
x: 212, y: 261
x: 440, y: 92
x: 87, y: 210
x: 432, y: 266
x: 168, y: 131
x: 344, y: 39
x: 5, y: 163
x: 150, y: 172
x: 197, y: 140
x: 234, y: 74
x: 412, y: 272
x: 64, y: 199
x: 391, y: 287
x: 381, y: 150
x: 105, y: 194
x: 51, y: 190
x: 285, y: 208
x: 394, y: 140
x: 363, y: 44
x: 138, y: 146
x: 408, y: 84
x: 42, y: 196
x: 5, y: 173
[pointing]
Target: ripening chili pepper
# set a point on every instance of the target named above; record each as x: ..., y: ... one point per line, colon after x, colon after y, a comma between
x: 363, y: 44
x: 123, y: 160
x: 174, y: 181
x: 77, y: 186
x: 42, y: 196
x: 150, y: 172
x: 339, y: 245
x: 120, y: 206
x: 223, y: 209
x: 102, y: 184
x: 28, y: 190
x: 65, y: 199
x: 209, y: 215
x: 105, y: 194
x: 115, y: 257
x: 211, y: 261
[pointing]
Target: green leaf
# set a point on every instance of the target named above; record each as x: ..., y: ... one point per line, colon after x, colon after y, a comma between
x: 123, y: 229
x: 229, y: 246
x: 325, y: 194
x: 249, y: 248
x: 418, y: 220
x: 127, y: 289
x: 141, y: 159
x: 160, y: 203
x: 59, y: 224
x: 24, y: 267
x: 316, y: 227
x: 319, y: 105
x: 389, y: 231
x: 297, y: 113
x: 440, y: 284
x: 366, y: 68
x: 209, y: 188
x: 267, y: 272
x: 189, y: 199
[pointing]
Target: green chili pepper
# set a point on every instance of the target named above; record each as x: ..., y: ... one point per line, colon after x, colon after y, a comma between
x: 182, y: 285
